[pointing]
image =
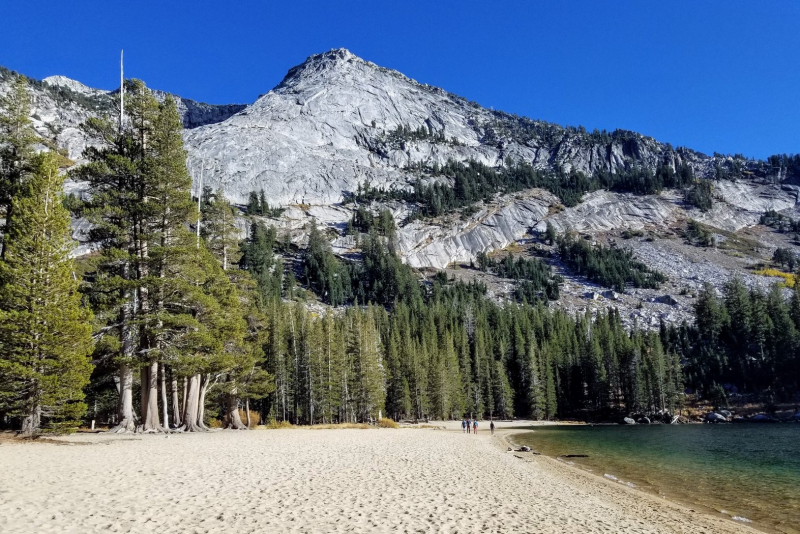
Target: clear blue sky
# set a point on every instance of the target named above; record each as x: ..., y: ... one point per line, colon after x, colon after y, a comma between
x: 712, y: 75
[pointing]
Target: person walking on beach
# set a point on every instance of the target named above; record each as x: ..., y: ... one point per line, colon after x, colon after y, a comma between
x: 469, y: 429
x: 491, y: 427
x: 463, y: 425
x: 475, y: 426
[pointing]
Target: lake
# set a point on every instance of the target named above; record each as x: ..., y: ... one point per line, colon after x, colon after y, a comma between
x: 750, y: 472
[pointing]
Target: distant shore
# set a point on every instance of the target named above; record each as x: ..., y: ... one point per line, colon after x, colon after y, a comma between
x: 329, y: 480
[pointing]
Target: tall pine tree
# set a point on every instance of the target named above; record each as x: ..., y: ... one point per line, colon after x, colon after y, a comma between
x: 45, y: 332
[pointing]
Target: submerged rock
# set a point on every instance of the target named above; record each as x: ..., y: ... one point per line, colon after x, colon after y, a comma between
x: 763, y: 418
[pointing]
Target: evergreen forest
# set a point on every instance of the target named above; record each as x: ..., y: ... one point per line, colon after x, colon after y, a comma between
x: 176, y: 323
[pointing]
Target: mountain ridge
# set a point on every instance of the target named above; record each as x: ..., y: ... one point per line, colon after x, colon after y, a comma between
x: 357, y: 106
x: 337, y: 121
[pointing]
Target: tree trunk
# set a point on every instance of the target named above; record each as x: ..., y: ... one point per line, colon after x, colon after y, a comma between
x: 150, y: 422
x: 176, y: 406
x: 127, y: 422
x: 232, y: 419
x: 164, y: 404
x: 192, y: 403
x: 183, y: 405
x: 201, y: 404
x: 32, y: 422
x: 247, y: 411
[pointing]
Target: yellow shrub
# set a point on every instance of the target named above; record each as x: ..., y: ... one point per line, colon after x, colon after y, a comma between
x: 214, y: 423
x: 340, y: 426
x: 273, y: 425
x: 255, y: 418
x: 788, y: 278
x: 385, y: 422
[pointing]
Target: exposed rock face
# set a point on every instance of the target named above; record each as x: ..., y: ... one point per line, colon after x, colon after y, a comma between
x: 195, y: 114
x: 60, y: 105
x: 332, y: 123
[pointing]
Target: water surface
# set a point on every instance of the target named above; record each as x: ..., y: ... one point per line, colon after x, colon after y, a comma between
x: 750, y: 472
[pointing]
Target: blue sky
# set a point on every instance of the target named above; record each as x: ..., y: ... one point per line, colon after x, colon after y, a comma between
x: 713, y: 75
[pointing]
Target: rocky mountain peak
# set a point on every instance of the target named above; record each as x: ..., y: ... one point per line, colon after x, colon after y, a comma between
x: 336, y: 66
x: 72, y: 85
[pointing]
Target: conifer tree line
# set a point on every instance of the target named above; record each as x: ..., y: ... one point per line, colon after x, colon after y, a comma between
x: 609, y: 266
x: 474, y: 182
x: 743, y: 341
x: 450, y: 351
x: 443, y: 349
x: 535, y: 280
x: 782, y: 223
x: 257, y: 205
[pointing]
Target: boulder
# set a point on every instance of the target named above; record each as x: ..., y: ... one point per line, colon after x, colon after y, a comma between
x: 644, y: 421
x: 715, y: 418
x: 610, y: 295
x: 667, y: 299
x: 592, y: 295
x: 725, y: 413
x: 628, y: 421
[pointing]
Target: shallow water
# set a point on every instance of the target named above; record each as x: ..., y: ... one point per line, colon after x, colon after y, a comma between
x: 749, y: 472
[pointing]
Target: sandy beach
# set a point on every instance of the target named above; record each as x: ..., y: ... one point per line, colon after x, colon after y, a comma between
x: 310, y: 480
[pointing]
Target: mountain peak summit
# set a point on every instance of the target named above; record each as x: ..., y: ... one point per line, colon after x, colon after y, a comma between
x: 336, y: 64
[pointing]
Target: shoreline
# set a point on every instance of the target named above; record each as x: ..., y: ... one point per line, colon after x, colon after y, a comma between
x: 689, y: 508
x: 331, y: 480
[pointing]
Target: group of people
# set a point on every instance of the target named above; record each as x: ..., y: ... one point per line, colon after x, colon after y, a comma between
x: 471, y: 426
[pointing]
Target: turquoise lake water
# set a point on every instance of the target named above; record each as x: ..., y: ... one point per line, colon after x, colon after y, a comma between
x: 749, y: 471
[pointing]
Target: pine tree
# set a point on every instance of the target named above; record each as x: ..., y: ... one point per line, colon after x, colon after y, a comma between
x: 45, y: 332
x: 259, y: 260
x: 220, y: 232
x: 550, y: 399
x: 17, y: 137
x: 263, y: 206
x: 168, y: 210
x: 253, y: 205
x: 116, y: 175
x: 364, y: 353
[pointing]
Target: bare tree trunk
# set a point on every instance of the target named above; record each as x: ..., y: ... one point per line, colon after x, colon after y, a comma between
x: 232, y: 419
x: 183, y: 405
x: 247, y: 411
x: 32, y: 422
x: 150, y: 421
x: 176, y: 406
x: 127, y: 422
x: 192, y: 403
x: 164, y: 404
x: 143, y: 390
x: 201, y: 405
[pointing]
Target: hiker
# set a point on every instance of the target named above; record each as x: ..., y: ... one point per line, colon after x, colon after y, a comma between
x: 469, y: 427
x: 491, y: 427
x: 475, y: 426
x: 463, y: 425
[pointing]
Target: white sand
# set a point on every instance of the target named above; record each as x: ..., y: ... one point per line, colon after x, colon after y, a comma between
x: 300, y: 480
